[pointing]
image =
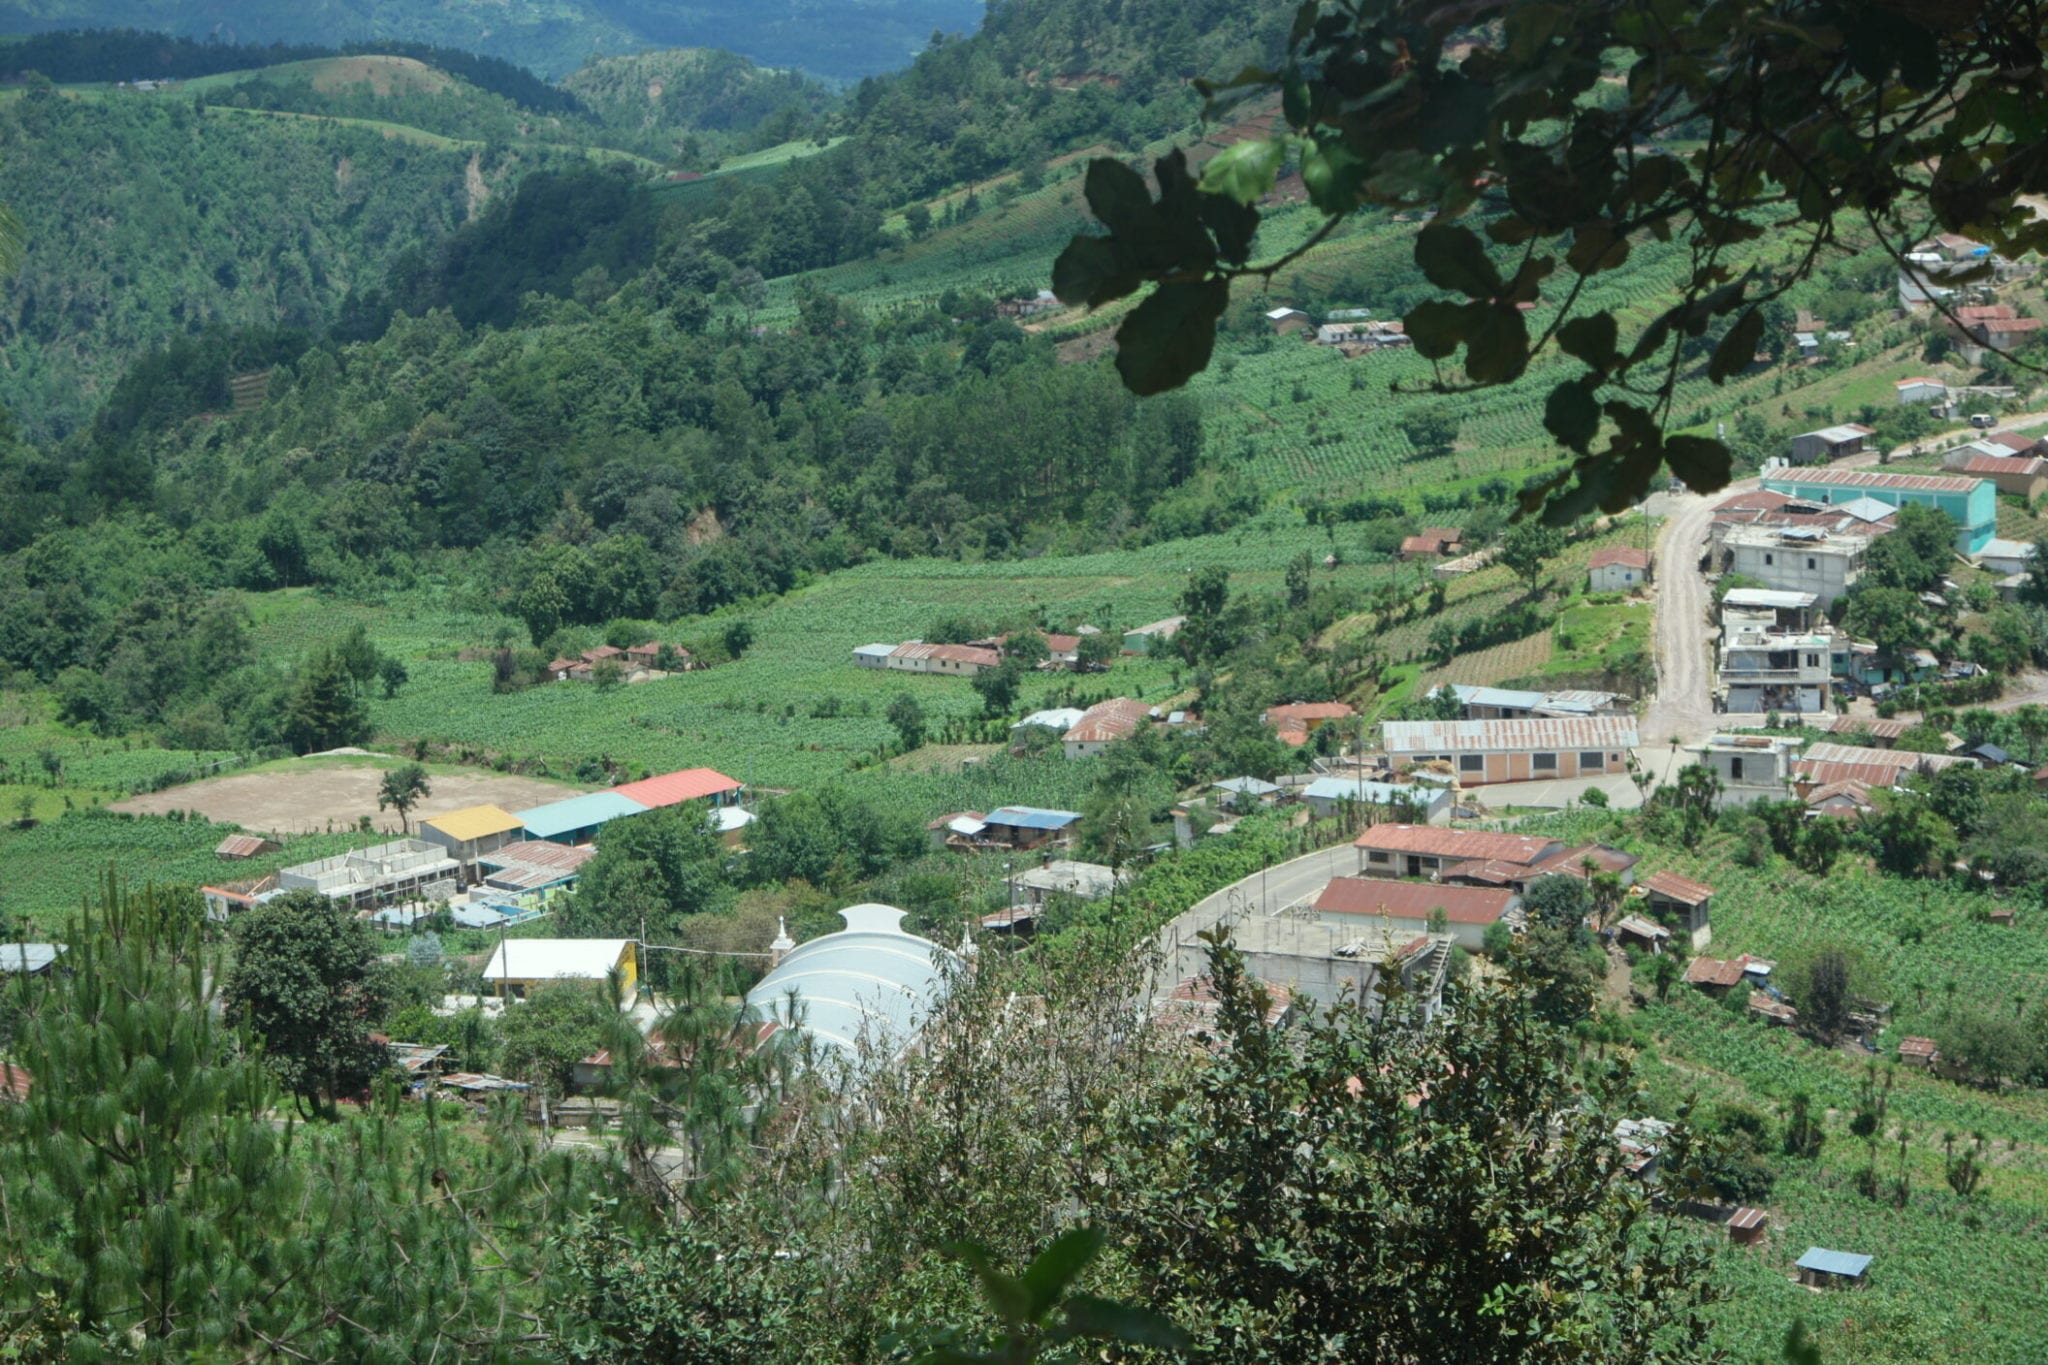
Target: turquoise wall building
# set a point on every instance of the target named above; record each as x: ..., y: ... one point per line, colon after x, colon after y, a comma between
x: 1971, y: 503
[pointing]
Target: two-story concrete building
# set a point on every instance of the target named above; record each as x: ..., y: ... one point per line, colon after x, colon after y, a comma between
x: 1752, y: 766
x: 1483, y: 752
x: 1971, y: 503
x: 1803, y: 559
x: 1765, y: 667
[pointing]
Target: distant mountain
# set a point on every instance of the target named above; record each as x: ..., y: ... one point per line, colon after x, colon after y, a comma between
x: 841, y: 40
x: 685, y: 90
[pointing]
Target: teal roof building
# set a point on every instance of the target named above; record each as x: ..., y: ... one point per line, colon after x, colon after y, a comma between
x: 1971, y: 503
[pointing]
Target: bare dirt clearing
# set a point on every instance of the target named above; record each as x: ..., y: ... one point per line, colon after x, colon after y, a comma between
x: 306, y: 798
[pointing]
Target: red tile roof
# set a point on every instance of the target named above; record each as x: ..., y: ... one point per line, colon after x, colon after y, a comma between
x: 1421, y: 545
x: 1628, y: 556
x: 1463, y: 844
x: 1414, y: 900
x: 959, y: 654
x: 1712, y: 971
x: 691, y: 784
x: 601, y: 653
x: 1671, y: 886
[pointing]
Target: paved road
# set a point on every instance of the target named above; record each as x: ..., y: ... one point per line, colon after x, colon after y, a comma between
x: 1682, y: 711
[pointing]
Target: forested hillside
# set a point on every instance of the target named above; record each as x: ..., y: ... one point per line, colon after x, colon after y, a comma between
x: 666, y: 96
x: 146, y: 220
x: 553, y: 37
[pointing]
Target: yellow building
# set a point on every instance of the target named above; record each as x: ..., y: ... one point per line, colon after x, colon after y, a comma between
x: 472, y: 831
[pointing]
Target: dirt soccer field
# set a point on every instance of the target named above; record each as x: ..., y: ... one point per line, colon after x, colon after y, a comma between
x: 317, y: 797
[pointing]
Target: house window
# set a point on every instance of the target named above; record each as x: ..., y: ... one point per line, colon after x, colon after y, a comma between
x: 1769, y: 559
x: 1543, y: 762
x: 1472, y: 763
x: 1813, y: 661
x: 1812, y: 563
x: 1590, y: 759
x: 1376, y: 856
x: 1735, y: 768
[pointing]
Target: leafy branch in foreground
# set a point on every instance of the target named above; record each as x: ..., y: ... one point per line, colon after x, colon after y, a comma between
x: 1564, y: 131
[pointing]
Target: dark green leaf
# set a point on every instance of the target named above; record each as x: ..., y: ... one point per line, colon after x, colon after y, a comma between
x: 1005, y: 1294
x: 1737, y: 348
x: 1232, y: 225
x: 1571, y: 415
x: 1168, y: 338
x: 1701, y: 461
x: 1452, y: 257
x: 1118, y: 197
x: 1056, y: 1267
x: 1332, y: 173
x: 1093, y: 271
x: 1244, y: 172
x: 1597, y: 247
x: 1101, y: 1320
x: 1436, y: 327
x: 1510, y: 230
x: 1496, y: 344
x: 1304, y: 21
x: 1294, y: 100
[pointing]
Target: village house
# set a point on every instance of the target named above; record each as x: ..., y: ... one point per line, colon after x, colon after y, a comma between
x: 471, y: 831
x: 1633, y: 931
x: 1328, y: 797
x: 1683, y: 902
x: 1405, y: 850
x: 1581, y: 862
x: 1433, y: 542
x: 1848, y: 799
x: 577, y: 819
x: 239, y: 846
x: 1144, y: 639
x: 1750, y: 766
x: 1484, y: 752
x: 1825, y: 762
x: 1920, y: 389
x: 1104, y: 724
x: 1828, y: 444
x: 1765, y: 669
x: 1919, y: 1052
x: 1717, y: 977
x: 1800, y: 559
x: 1287, y: 321
x: 954, y: 660
x: 1617, y: 568
x: 2023, y: 476
x: 1972, y: 503
x: 1243, y: 794
x: 1983, y: 337
x: 1033, y: 886
x: 29, y: 959
x: 872, y: 656
x: 1294, y: 722
x: 1501, y: 703
x: 2006, y: 557
x: 2014, y: 443
x: 1028, y: 827
x: 519, y: 966
x: 651, y: 656
x: 1406, y: 908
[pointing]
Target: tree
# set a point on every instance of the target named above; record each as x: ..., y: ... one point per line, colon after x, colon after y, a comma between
x: 555, y: 1027
x: 391, y: 672
x: 1203, y: 601
x: 323, y: 711
x: 908, y: 717
x: 1527, y: 547
x: 1558, y: 901
x: 1097, y: 652
x: 403, y: 788
x: 1907, y: 837
x: 738, y: 636
x: 1805, y: 1132
x: 1915, y: 553
x: 301, y: 980
x: 1989, y: 1046
x: 1966, y: 1172
x: 1028, y: 647
x: 651, y: 873
x: 1308, y: 1141
x: 1482, y: 111
x: 359, y: 656
x: 1431, y: 429
x: 997, y: 687
x: 1890, y: 618
x: 1558, y: 970
x: 606, y: 675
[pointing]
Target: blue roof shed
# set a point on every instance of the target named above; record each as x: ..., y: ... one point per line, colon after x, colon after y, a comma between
x: 1031, y: 817
x: 577, y: 819
x: 1844, y: 1263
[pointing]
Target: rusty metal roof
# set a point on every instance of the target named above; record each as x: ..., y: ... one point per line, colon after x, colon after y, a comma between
x: 1480, y: 736
x: 1414, y: 900
x: 1462, y: 844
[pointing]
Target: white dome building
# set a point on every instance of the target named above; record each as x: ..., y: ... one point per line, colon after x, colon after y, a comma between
x: 870, y: 980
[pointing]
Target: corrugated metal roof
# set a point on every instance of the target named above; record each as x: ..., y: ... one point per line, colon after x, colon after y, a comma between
x: 1169, y: 626
x: 1684, y: 890
x: 1471, y: 736
x: 668, y: 789
x: 475, y: 822
x: 1772, y: 599
x: 1376, y: 793
x: 1107, y: 721
x: 1834, y: 1262
x: 1872, y: 478
x: 243, y: 846
x: 1505, y: 698
x: 959, y: 654
x: 1463, y: 844
x: 1838, y: 435
x: 578, y: 812
x: 1032, y: 817
x: 29, y: 957
x: 540, y: 853
x: 1628, y: 556
x: 1247, y: 786
x: 1414, y: 900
